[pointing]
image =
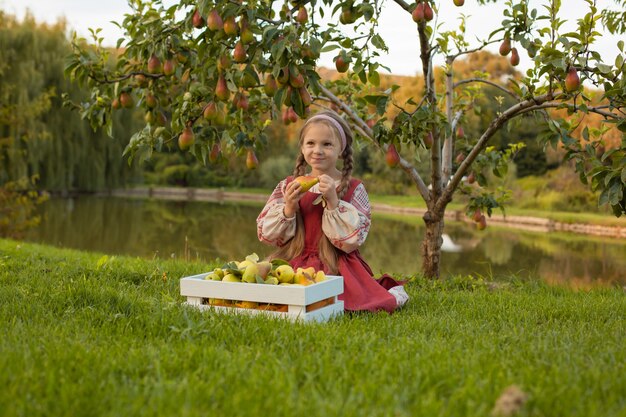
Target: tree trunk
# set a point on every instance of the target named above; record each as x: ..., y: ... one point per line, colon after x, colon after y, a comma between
x: 431, y: 246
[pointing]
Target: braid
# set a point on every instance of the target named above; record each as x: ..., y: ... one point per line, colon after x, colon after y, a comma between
x: 346, y: 172
x: 300, y: 166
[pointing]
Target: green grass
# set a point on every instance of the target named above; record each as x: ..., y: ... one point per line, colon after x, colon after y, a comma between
x: 88, y: 335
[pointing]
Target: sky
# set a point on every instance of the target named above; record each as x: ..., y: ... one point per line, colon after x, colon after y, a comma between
x: 396, y: 26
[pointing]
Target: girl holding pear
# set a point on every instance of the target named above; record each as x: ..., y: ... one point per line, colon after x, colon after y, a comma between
x: 320, y: 218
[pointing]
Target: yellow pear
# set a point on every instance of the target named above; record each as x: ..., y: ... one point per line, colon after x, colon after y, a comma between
x: 247, y: 304
x: 219, y: 272
x: 320, y: 276
x: 271, y: 281
x: 250, y: 274
x: 244, y: 264
x: 253, y: 257
x: 230, y: 278
x: 212, y: 276
x: 305, y: 276
x: 306, y: 182
x: 284, y: 273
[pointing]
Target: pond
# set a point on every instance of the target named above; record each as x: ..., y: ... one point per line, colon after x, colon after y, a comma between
x: 226, y: 230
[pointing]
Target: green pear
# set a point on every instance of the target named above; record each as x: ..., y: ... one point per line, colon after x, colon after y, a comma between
x: 250, y: 273
x: 230, y: 278
x: 285, y: 274
x: 212, y: 276
x: 271, y: 281
x: 319, y: 276
x: 244, y: 264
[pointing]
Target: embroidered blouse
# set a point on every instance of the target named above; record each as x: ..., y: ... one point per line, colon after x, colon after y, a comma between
x: 346, y: 226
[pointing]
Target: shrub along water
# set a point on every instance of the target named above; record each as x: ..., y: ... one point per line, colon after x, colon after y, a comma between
x: 87, y: 333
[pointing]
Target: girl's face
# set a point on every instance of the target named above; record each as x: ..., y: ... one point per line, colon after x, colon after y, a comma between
x: 321, y: 149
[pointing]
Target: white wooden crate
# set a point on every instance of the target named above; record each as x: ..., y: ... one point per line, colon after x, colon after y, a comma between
x: 296, y: 297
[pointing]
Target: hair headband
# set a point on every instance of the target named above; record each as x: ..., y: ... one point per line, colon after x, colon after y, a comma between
x: 335, y: 123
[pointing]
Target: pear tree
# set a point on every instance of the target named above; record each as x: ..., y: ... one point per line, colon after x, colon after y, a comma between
x: 211, y: 76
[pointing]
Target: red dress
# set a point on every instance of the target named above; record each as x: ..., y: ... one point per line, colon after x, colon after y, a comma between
x: 361, y: 290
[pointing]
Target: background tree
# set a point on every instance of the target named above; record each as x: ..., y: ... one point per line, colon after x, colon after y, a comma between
x: 38, y: 137
x: 210, y: 75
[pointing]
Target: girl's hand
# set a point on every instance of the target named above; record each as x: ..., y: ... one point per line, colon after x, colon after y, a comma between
x: 292, y: 197
x: 329, y: 191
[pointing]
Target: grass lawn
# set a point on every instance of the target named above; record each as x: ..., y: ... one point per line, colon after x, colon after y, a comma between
x: 89, y: 335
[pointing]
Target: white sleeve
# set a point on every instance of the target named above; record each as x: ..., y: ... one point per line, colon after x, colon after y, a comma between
x: 348, y: 224
x: 272, y: 225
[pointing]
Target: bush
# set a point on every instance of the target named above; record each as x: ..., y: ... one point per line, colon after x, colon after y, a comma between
x: 274, y: 169
x: 559, y: 190
x: 18, y: 203
x: 176, y: 175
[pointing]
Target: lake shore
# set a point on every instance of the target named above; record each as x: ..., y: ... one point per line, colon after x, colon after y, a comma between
x: 523, y: 222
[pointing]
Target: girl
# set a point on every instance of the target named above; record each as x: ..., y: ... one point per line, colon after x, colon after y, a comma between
x: 324, y: 226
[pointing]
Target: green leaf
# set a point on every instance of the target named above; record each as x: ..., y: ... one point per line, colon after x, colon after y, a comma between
x: 604, y: 197
x: 278, y: 262
x: 378, y: 42
x: 374, y: 78
x: 329, y: 48
x: 615, y: 193
x: 362, y: 76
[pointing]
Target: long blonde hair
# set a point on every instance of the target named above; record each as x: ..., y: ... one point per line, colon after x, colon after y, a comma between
x: 295, y: 246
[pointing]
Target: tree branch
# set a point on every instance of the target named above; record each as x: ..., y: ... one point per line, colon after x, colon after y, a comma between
x: 362, y: 127
x: 403, y: 4
x: 482, y: 80
x: 448, y: 144
x: 552, y: 104
x: 357, y: 121
x: 534, y: 103
x: 470, y: 51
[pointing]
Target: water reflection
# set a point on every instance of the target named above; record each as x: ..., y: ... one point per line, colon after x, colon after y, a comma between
x: 201, y: 230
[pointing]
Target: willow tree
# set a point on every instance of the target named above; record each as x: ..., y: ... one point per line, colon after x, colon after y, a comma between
x: 210, y: 75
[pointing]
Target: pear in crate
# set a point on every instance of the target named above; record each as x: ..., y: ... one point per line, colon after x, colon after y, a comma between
x: 285, y: 274
x: 250, y: 259
x: 247, y: 304
x: 305, y: 276
x: 271, y: 281
x: 212, y: 276
x: 230, y: 278
x: 320, y: 276
x: 250, y: 274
